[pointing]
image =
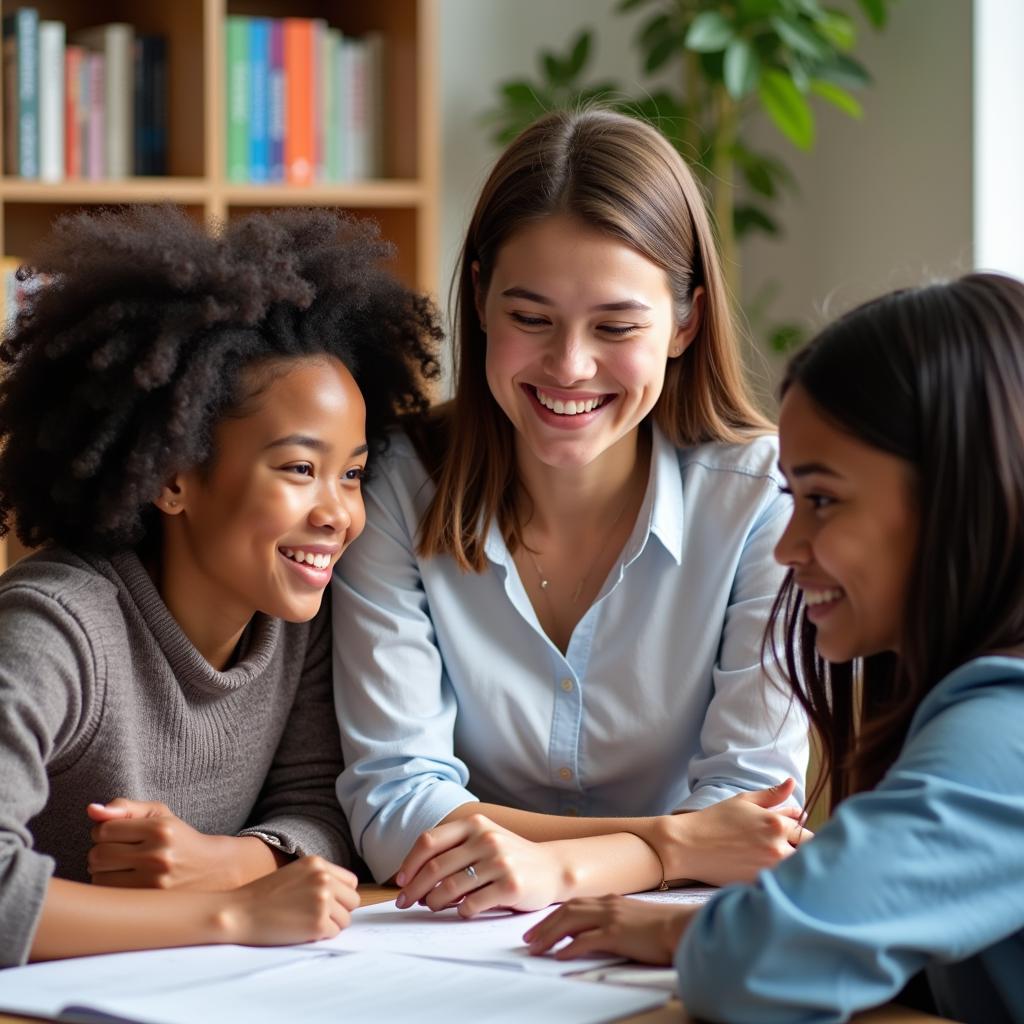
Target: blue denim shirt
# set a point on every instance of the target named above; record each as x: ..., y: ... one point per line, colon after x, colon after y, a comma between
x: 449, y: 691
x: 926, y: 871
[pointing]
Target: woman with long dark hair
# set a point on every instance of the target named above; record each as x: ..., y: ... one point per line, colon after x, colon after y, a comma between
x: 902, y: 438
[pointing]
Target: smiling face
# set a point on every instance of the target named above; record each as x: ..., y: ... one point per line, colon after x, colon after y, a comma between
x: 260, y: 528
x: 852, y: 536
x: 580, y: 328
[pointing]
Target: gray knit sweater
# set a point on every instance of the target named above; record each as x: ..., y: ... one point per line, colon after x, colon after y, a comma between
x: 102, y: 695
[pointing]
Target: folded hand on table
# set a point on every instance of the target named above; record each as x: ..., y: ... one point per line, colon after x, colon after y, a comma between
x: 477, y: 865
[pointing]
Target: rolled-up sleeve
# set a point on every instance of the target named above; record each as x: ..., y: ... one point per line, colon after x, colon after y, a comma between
x: 396, y: 709
x: 754, y: 733
x: 925, y: 869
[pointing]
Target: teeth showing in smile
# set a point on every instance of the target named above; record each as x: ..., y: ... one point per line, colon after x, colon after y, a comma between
x: 813, y: 597
x: 307, y: 557
x: 570, y: 408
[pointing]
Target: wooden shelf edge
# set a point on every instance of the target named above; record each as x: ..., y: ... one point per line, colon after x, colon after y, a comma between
x: 396, y: 194
x: 114, y: 190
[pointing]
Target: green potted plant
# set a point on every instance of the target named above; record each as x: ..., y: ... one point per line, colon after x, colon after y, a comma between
x: 736, y: 61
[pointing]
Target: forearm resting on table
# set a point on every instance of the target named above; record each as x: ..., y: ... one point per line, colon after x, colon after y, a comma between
x: 83, y: 920
x: 637, y: 849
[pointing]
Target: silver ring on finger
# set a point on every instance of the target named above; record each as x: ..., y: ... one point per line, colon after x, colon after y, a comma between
x: 471, y: 872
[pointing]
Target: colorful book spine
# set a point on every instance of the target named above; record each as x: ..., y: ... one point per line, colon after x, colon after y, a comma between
x: 298, y: 61
x: 116, y: 42
x: 73, y: 57
x: 21, y: 53
x: 150, y: 105
x: 238, y: 95
x: 276, y: 101
x: 96, y: 130
x: 51, y: 100
x: 259, y: 100
x: 329, y: 120
x: 318, y: 31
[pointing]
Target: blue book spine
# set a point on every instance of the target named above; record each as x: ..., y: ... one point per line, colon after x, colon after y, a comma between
x: 275, y: 101
x: 27, y: 30
x: 259, y: 106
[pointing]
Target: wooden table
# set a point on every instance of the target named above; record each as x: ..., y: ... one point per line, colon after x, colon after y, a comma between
x: 672, y: 1013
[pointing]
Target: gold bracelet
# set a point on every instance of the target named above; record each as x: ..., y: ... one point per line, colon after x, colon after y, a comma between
x: 663, y: 885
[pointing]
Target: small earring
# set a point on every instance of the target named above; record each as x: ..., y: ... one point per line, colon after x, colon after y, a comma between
x: 172, y: 503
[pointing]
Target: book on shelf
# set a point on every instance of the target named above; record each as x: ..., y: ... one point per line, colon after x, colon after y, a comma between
x: 21, y: 91
x: 51, y: 100
x: 94, y: 106
x: 116, y: 42
x: 304, y: 102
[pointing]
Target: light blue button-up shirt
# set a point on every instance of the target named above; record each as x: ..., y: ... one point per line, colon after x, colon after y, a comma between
x: 448, y: 690
x: 926, y: 871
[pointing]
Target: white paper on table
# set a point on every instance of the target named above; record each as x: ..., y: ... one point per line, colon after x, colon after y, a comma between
x: 495, y: 938
x: 692, y: 895
x: 374, y: 987
x: 45, y: 989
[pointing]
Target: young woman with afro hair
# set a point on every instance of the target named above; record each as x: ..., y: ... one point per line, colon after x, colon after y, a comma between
x: 185, y: 422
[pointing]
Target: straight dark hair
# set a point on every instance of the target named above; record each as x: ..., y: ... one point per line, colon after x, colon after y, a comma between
x: 933, y: 375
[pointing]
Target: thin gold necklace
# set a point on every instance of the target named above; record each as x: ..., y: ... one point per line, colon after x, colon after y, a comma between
x: 542, y: 577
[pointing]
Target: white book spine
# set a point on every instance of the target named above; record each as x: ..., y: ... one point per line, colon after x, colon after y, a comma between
x: 120, y: 91
x: 51, y: 100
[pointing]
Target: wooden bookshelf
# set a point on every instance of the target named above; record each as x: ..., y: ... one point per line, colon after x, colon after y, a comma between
x: 404, y: 201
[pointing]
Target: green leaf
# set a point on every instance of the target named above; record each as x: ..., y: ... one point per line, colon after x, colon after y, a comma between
x: 785, y: 105
x: 875, y: 11
x: 580, y: 52
x: 838, y: 98
x: 660, y: 52
x: 709, y: 32
x: 838, y: 29
x: 554, y: 70
x: 799, y: 36
x: 752, y: 10
x: 747, y: 219
x: 654, y: 29
x: 844, y: 71
x: 742, y: 68
x: 519, y: 94
x: 785, y: 337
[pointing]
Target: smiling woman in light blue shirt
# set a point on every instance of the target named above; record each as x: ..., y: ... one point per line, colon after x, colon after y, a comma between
x: 549, y: 634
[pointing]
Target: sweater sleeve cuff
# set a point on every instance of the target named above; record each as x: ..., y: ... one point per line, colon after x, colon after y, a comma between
x: 24, y: 881
x: 304, y: 837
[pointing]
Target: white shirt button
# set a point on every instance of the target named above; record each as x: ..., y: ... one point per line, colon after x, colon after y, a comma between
x: 565, y: 773
x: 567, y: 685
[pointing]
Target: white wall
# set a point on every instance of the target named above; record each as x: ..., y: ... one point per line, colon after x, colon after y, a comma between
x: 886, y: 201
x: 999, y: 135
x: 883, y: 202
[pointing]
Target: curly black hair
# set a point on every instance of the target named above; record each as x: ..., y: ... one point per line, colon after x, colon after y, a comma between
x: 134, y: 340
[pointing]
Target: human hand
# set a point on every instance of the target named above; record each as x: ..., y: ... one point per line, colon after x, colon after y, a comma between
x: 732, y: 840
x: 506, y: 870
x: 142, y: 845
x: 306, y: 900
x: 648, y: 932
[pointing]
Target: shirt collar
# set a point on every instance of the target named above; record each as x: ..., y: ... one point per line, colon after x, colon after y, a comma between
x: 661, y: 513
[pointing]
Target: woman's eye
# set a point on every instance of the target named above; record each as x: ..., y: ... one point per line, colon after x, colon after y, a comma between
x: 618, y: 330
x: 820, y: 501
x: 300, y: 469
x: 528, y: 321
x: 356, y: 473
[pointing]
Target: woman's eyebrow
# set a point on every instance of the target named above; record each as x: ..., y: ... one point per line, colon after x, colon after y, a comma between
x: 807, y: 468
x: 605, y: 307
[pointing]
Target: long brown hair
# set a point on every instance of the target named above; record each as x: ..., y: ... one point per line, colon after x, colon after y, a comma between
x: 619, y: 175
x: 935, y: 376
